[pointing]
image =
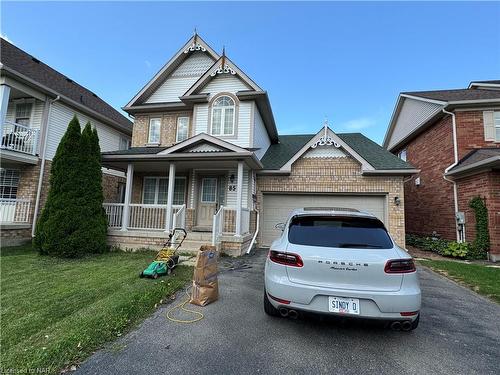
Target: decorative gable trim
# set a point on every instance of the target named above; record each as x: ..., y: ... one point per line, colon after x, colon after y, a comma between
x: 207, y: 141
x: 222, y: 66
x: 195, y: 43
x: 205, y: 147
x: 326, y: 138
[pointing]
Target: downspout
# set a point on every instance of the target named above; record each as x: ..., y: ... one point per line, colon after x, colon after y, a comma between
x: 42, y: 168
x: 255, y: 234
x: 455, y: 156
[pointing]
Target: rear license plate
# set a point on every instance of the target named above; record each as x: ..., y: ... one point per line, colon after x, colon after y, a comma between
x: 343, y: 305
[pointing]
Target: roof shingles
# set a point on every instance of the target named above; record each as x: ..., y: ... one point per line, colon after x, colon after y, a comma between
x: 278, y: 154
x: 23, y: 63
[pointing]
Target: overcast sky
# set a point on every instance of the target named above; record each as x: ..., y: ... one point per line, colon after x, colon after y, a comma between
x: 344, y: 61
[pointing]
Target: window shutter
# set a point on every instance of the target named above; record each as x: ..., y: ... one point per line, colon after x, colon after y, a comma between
x: 489, y: 126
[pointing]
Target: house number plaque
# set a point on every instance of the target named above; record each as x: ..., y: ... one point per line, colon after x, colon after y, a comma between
x: 231, y: 187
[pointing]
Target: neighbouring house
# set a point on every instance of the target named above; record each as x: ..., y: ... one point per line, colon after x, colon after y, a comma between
x: 36, y: 105
x: 206, y: 155
x: 453, y: 138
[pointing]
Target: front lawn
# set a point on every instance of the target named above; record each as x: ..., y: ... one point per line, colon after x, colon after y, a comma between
x: 483, y: 279
x: 55, y: 312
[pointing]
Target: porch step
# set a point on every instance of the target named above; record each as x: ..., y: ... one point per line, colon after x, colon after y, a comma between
x: 192, y: 246
x: 199, y: 236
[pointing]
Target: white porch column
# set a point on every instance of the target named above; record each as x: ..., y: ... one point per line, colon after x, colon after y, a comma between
x: 4, y: 103
x: 170, y: 197
x: 128, y: 197
x: 239, y: 195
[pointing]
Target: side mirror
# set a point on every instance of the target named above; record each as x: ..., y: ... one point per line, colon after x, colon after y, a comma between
x: 280, y: 226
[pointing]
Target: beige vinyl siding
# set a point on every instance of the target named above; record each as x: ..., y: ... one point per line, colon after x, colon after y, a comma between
x: 224, y: 83
x: 413, y: 113
x: 231, y: 196
x: 61, y: 115
x: 182, y: 78
x: 201, y: 118
x: 260, y: 136
x: 36, y: 112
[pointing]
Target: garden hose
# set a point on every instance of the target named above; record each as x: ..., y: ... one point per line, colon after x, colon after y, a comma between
x: 181, y: 307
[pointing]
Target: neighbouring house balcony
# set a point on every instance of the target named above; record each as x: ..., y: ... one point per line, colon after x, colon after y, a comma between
x: 21, y: 115
x: 19, y: 138
x: 15, y: 211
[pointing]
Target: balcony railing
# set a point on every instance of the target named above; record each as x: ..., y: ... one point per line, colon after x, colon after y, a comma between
x: 20, y: 138
x: 15, y: 211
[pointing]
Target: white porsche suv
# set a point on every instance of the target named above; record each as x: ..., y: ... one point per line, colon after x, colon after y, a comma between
x: 343, y: 262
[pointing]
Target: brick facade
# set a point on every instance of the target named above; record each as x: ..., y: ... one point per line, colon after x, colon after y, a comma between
x: 470, y: 132
x: 168, y: 128
x: 338, y: 175
x: 430, y: 205
x: 432, y: 153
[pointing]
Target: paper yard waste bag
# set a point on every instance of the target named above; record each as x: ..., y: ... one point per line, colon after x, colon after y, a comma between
x: 205, y: 285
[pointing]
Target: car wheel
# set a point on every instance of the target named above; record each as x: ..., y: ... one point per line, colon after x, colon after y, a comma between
x: 414, y: 324
x: 155, y: 275
x: 268, y: 308
x: 141, y: 275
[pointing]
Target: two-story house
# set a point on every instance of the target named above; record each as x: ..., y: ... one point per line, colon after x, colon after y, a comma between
x: 206, y: 155
x: 453, y: 137
x: 36, y: 106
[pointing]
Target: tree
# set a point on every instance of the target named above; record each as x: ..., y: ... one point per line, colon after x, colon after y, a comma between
x: 73, y: 222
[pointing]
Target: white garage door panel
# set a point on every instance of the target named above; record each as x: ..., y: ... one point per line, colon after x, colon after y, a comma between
x: 276, y: 208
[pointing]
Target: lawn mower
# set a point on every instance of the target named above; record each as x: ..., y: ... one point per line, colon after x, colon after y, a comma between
x: 166, y: 259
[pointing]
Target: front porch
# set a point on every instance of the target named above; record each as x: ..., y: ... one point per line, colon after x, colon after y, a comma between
x: 212, y: 198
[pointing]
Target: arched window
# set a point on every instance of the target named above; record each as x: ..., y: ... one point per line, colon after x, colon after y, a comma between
x: 223, y: 116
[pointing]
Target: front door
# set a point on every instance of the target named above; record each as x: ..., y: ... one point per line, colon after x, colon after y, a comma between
x: 207, y: 206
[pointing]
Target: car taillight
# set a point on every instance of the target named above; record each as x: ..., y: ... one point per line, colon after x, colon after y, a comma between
x: 400, y: 266
x: 409, y: 313
x: 288, y: 259
x: 279, y: 300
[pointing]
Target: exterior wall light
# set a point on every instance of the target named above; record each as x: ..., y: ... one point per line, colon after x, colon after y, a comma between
x: 397, y: 201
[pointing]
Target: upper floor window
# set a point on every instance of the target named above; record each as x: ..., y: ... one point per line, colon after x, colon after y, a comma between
x: 154, y: 130
x: 23, y: 113
x: 182, y: 129
x: 402, y: 154
x: 223, y: 116
x: 497, y: 126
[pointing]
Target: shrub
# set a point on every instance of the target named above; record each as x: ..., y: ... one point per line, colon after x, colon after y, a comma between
x: 481, y: 244
x: 73, y: 222
x: 456, y: 249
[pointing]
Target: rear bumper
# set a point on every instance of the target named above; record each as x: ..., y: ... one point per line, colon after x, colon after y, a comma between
x: 373, y: 304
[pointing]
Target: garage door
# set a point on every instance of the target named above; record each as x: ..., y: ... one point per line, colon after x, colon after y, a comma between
x: 277, y: 207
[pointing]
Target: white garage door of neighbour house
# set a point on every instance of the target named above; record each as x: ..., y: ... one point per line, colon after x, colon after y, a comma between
x: 276, y: 208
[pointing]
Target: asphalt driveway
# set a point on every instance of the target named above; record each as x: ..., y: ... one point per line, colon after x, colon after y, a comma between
x: 459, y: 333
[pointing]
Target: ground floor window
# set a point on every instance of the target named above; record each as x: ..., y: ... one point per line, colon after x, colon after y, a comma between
x: 155, y: 190
x: 9, y: 182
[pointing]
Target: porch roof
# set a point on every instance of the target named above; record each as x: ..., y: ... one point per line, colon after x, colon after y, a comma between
x: 476, y: 161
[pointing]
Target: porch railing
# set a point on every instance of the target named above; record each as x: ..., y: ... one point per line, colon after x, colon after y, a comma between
x: 114, y: 213
x: 20, y: 138
x: 217, y: 226
x: 15, y: 210
x: 179, y: 217
x: 143, y: 216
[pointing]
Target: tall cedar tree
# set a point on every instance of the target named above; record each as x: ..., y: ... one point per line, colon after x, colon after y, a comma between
x: 71, y: 225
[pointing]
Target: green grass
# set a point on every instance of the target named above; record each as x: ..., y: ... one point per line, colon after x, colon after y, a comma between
x: 481, y: 278
x: 56, y: 312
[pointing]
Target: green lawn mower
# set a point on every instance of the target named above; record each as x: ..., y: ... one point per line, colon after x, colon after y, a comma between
x: 166, y: 259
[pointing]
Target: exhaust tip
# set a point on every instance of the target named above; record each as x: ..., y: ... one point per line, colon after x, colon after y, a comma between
x: 293, y: 314
x: 283, y: 312
x: 406, y: 325
x: 396, y: 326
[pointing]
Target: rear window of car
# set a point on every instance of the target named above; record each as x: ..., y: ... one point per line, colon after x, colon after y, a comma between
x: 343, y: 232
